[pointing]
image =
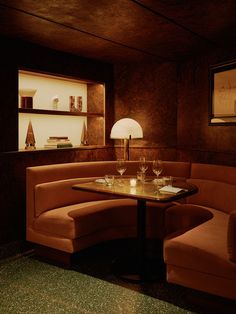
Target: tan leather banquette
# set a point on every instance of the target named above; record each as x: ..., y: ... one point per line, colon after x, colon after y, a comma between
x: 67, y: 221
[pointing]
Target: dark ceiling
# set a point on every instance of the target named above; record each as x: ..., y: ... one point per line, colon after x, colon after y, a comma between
x: 123, y: 30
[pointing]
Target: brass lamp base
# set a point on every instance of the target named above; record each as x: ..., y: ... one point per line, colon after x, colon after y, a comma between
x: 126, y: 148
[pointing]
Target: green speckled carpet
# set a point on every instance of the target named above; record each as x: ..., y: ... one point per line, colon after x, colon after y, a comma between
x: 28, y: 285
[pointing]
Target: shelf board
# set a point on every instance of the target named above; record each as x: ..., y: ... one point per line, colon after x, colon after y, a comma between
x: 59, y: 112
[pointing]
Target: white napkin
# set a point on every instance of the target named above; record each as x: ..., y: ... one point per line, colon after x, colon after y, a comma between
x: 170, y: 189
x: 100, y: 181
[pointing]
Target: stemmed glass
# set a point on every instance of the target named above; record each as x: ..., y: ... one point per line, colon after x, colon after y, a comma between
x: 121, y: 167
x: 143, y: 165
x: 157, y: 167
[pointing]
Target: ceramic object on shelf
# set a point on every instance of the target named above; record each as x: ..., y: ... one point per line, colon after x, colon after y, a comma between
x: 55, y: 102
x: 79, y: 103
x: 72, y: 103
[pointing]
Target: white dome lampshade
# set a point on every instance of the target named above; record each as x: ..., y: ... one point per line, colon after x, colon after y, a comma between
x: 126, y: 129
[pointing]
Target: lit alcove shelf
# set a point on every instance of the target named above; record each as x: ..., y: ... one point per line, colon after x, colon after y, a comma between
x: 60, y: 107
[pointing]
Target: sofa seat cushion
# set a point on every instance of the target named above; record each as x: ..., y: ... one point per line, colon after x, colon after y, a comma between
x: 203, y: 248
x: 82, y: 219
x: 79, y: 220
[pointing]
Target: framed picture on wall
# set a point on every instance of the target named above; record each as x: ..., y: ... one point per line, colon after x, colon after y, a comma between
x: 222, y: 108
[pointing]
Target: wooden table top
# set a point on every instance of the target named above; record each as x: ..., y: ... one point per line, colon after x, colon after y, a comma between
x: 145, y: 191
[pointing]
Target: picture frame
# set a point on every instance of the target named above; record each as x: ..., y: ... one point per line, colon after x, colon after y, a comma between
x: 222, y: 105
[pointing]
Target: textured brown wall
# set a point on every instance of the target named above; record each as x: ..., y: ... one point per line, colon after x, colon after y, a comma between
x: 198, y: 141
x: 95, y: 104
x: 147, y: 93
x: 171, y: 104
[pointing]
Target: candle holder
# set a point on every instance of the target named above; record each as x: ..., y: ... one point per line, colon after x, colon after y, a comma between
x: 133, y: 182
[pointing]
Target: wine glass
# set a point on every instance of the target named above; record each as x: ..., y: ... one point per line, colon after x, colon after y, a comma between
x: 121, y: 167
x: 157, y: 167
x: 143, y: 165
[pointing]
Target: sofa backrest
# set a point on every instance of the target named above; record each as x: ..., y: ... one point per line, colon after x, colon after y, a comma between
x: 51, y: 195
x: 49, y: 186
x: 216, y: 184
x: 179, y: 169
x: 43, y: 180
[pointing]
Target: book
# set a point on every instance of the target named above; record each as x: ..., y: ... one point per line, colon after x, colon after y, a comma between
x: 61, y: 145
x: 57, y: 141
x: 58, y: 137
x: 58, y: 145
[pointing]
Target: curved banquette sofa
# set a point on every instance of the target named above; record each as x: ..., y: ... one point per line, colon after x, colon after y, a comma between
x: 62, y: 221
x: 199, y: 233
x: 200, y: 245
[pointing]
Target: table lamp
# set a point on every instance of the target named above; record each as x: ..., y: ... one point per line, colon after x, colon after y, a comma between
x: 126, y: 129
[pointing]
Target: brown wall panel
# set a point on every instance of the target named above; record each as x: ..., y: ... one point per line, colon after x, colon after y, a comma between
x: 197, y: 140
x: 171, y: 103
x: 151, y: 153
x: 147, y: 93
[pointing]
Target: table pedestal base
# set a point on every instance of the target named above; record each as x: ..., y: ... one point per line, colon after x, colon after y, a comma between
x: 130, y: 270
x: 140, y: 267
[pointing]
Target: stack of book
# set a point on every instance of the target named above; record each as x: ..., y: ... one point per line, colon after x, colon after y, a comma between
x: 58, y: 142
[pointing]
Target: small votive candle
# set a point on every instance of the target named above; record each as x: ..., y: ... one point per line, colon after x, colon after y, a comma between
x: 133, y: 182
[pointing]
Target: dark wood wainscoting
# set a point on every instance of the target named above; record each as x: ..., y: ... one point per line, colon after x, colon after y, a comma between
x: 227, y: 158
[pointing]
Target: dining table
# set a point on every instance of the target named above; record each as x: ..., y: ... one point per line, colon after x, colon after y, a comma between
x: 139, y: 268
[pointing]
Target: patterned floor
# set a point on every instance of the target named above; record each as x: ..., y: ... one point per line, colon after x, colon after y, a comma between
x: 28, y: 285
